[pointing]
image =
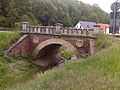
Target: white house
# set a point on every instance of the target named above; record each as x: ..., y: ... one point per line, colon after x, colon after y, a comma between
x: 85, y: 25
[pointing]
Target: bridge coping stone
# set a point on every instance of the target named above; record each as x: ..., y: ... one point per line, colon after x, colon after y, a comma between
x: 58, y: 29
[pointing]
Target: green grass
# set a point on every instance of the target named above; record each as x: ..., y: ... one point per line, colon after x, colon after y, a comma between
x: 13, y: 69
x: 7, y: 39
x: 99, y: 72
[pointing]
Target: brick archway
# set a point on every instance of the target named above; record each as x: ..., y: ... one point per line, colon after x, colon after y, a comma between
x: 54, y: 41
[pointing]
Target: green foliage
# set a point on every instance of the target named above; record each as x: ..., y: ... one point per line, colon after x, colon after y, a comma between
x: 13, y: 69
x: 66, y: 53
x: 49, y: 12
x: 5, y: 79
x: 6, y: 39
x: 103, y: 41
x: 99, y: 72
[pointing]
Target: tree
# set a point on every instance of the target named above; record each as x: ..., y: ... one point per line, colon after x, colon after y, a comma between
x: 49, y: 12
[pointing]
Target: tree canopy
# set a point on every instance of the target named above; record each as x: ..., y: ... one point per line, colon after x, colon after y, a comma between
x: 49, y: 12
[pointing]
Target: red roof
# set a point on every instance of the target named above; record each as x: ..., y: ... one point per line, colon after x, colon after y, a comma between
x: 104, y: 26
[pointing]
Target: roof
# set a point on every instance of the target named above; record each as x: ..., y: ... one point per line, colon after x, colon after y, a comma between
x: 104, y: 26
x: 87, y: 25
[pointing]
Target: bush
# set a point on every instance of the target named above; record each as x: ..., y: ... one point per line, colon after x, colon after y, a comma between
x: 66, y: 53
x: 103, y: 41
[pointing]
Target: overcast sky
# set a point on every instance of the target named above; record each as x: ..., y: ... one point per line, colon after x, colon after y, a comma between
x: 104, y: 4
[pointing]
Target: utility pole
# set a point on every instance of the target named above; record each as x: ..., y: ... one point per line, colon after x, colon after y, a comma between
x: 114, y: 28
x: 114, y: 7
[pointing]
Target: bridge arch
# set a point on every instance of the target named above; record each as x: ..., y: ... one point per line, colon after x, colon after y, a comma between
x: 54, y: 41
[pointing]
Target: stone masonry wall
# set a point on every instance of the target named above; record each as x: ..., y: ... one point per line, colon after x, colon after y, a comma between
x: 27, y: 43
x: 21, y: 47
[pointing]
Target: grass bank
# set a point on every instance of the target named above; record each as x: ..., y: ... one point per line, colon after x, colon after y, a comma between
x: 13, y: 69
x: 99, y: 72
x: 6, y: 39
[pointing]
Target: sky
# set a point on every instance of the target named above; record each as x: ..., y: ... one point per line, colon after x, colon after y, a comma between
x: 104, y: 4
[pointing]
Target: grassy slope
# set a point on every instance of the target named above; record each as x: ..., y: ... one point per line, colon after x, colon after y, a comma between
x: 6, y: 39
x: 99, y: 72
x: 13, y: 69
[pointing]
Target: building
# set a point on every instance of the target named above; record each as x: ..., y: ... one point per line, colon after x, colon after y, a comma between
x: 85, y: 25
x: 105, y: 28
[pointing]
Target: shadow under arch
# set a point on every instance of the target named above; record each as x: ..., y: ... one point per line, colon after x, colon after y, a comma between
x: 55, y: 41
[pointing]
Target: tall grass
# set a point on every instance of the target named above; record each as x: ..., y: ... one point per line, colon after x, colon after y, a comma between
x: 103, y: 41
x: 6, y: 39
x: 99, y: 72
x: 13, y: 69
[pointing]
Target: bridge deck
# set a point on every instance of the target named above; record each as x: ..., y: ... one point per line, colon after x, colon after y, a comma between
x: 52, y: 30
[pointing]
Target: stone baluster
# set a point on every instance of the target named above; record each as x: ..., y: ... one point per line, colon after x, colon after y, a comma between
x: 97, y: 30
x: 42, y: 29
x: 84, y: 32
x: 70, y: 31
x: 80, y: 32
x: 35, y: 29
x: 51, y: 30
x: 61, y: 30
x: 39, y: 30
x: 74, y: 31
x: 54, y: 30
x: 27, y: 29
x: 47, y: 29
x: 77, y: 32
x: 87, y: 32
x: 58, y: 28
x: 91, y: 31
x: 24, y: 26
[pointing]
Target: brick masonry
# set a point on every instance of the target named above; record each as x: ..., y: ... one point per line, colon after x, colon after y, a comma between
x: 28, y: 43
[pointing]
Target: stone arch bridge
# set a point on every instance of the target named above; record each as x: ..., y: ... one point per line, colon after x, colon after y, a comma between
x: 43, y: 42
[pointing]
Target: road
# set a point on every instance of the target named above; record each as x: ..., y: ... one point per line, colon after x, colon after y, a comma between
x: 5, y: 31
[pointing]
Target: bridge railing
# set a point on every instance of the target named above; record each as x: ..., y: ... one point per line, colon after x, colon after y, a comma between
x: 59, y: 30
